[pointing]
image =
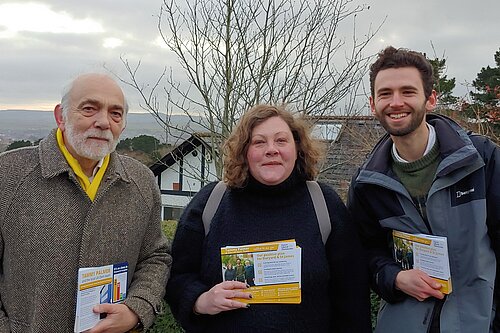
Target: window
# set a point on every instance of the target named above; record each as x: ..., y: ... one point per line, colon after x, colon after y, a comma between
x: 172, y: 213
x: 328, y: 132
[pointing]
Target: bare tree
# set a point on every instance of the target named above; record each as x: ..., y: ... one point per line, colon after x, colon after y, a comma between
x: 235, y: 54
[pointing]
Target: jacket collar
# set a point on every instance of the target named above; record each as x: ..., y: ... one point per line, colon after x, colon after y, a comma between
x: 454, y: 146
x: 53, y: 163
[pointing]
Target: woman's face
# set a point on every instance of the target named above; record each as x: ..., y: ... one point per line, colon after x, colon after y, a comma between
x: 272, y: 152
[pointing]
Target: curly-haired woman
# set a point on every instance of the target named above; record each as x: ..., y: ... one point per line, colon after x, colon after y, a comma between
x: 268, y: 159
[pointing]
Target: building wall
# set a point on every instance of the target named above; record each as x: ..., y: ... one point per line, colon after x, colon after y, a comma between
x: 190, y: 173
x: 169, y: 177
x: 348, y: 152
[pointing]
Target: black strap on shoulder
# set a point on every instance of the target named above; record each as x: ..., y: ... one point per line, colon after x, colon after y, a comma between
x: 317, y: 197
x: 212, y: 204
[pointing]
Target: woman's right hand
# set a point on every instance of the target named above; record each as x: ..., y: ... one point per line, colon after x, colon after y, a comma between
x: 220, y: 298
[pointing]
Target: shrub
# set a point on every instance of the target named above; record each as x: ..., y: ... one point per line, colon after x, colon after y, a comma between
x: 169, y: 228
x: 375, y: 302
x: 165, y: 323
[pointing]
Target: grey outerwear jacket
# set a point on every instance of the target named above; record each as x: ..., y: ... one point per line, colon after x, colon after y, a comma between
x: 463, y: 204
x: 49, y: 228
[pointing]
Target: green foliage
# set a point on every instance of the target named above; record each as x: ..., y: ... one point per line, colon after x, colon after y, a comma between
x: 443, y: 86
x: 144, y: 148
x: 165, y: 323
x: 144, y: 143
x: 124, y: 144
x: 484, y: 110
x: 19, y: 144
x: 479, y: 113
x: 375, y: 303
x: 169, y: 228
x: 487, y: 84
x: 156, y: 155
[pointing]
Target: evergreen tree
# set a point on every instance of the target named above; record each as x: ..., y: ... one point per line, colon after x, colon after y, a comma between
x: 144, y: 143
x: 124, y: 144
x: 487, y: 84
x: 485, y: 106
x: 443, y: 86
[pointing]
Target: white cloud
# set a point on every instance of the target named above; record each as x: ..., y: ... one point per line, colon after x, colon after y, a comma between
x: 160, y: 43
x: 47, y: 42
x: 35, y: 17
x: 111, y: 43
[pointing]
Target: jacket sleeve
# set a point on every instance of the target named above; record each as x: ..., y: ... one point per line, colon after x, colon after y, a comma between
x: 349, y: 282
x: 185, y: 284
x: 4, y: 320
x: 376, y: 243
x: 6, y: 184
x: 147, y: 288
x: 491, y: 156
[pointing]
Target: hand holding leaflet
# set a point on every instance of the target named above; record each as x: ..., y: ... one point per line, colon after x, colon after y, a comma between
x: 222, y: 297
x: 427, y: 253
x: 271, y: 269
x: 98, y: 285
x: 119, y: 318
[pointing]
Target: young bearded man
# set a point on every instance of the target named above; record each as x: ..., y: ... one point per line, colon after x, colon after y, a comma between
x: 427, y: 175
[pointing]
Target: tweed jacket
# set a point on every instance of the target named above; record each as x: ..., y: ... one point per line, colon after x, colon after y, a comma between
x: 49, y: 228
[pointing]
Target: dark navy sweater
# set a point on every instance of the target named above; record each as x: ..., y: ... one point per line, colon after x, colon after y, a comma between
x: 335, y: 295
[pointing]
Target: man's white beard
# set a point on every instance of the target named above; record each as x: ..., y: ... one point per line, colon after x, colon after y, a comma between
x: 95, y: 151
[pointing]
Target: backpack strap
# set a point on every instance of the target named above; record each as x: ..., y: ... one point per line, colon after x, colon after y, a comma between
x: 212, y: 205
x: 318, y: 199
x: 315, y: 192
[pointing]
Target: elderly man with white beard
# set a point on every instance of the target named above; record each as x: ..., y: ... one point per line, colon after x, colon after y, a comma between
x: 73, y: 203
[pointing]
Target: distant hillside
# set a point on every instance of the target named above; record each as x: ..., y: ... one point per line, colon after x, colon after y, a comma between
x: 33, y: 125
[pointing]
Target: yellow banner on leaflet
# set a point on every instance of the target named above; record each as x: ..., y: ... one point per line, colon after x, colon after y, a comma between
x: 247, y: 249
x: 93, y: 284
x: 289, y: 293
x: 261, y: 247
x: 288, y: 300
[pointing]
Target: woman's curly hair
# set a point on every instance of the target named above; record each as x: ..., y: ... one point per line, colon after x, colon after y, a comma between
x: 309, y: 151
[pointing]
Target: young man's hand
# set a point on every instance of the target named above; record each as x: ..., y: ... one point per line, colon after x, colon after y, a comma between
x: 418, y: 284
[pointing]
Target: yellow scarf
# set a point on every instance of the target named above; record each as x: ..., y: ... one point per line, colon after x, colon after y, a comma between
x: 89, y: 187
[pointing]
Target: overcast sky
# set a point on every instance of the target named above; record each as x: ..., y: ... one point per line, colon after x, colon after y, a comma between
x: 46, y: 43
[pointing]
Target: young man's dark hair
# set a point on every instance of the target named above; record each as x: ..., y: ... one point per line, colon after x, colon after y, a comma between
x: 391, y: 57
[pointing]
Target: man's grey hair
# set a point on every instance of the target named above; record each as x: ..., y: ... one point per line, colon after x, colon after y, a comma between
x: 65, y: 105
